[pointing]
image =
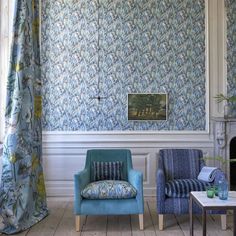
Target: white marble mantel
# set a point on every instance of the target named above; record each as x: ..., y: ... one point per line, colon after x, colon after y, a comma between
x: 224, y: 130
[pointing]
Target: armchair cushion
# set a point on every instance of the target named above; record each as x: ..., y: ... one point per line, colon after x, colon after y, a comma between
x: 109, y: 189
x: 107, y: 170
x: 180, y: 188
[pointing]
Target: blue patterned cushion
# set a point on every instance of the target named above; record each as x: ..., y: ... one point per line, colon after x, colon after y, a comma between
x: 107, y: 170
x: 182, y: 187
x: 109, y: 189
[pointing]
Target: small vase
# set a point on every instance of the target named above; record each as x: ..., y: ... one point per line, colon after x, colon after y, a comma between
x: 210, y: 191
x: 226, y: 111
x: 229, y: 111
x: 223, y: 189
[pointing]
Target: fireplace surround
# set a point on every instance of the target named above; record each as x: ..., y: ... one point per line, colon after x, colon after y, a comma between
x: 224, y: 134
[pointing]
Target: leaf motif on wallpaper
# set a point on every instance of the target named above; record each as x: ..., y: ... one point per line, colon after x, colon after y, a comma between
x: 231, y: 46
x: 144, y: 46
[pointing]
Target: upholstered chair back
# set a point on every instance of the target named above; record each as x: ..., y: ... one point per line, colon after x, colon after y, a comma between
x: 109, y: 155
x: 181, y: 163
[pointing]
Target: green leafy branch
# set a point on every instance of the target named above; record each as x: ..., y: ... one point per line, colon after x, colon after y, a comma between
x: 221, y: 97
x: 220, y: 159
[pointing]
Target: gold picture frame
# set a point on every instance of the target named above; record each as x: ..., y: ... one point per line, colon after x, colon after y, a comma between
x: 147, y: 106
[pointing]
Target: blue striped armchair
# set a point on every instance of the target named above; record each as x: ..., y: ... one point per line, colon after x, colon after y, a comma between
x: 176, y: 177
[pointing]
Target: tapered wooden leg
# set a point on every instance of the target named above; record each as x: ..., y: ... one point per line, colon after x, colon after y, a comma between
x: 77, y: 223
x: 223, y: 221
x: 161, y: 222
x: 140, y: 221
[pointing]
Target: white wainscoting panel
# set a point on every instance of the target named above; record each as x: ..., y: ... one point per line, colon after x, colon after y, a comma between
x: 64, y: 153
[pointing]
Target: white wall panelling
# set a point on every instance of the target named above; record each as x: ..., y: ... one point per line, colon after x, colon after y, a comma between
x: 217, y: 54
x: 64, y: 153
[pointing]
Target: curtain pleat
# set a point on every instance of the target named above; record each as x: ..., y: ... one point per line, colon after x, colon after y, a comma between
x: 22, y: 193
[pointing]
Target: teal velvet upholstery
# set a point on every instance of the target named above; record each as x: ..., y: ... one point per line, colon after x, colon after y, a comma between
x: 108, y: 206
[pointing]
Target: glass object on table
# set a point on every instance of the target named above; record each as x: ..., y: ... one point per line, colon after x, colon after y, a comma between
x: 223, y: 189
x: 210, y: 191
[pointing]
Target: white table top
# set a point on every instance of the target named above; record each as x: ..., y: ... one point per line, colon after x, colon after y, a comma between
x: 202, y: 198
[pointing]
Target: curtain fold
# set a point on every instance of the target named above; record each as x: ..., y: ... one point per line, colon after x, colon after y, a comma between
x: 22, y: 193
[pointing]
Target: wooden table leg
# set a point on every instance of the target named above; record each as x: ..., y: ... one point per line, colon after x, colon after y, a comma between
x: 191, y: 214
x: 203, y: 222
x: 234, y: 220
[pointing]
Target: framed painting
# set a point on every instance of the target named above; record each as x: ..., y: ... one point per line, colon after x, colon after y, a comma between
x: 147, y: 106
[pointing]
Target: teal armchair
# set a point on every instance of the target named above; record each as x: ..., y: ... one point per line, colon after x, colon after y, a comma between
x: 115, y: 206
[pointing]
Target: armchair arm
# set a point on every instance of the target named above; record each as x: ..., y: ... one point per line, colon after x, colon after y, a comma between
x: 136, y: 179
x: 81, y: 179
x: 161, y: 181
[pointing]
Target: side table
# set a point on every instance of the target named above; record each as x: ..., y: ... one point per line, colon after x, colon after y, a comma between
x: 215, y: 203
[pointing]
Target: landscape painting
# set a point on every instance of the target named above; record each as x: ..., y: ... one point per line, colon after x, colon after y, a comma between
x: 147, y: 106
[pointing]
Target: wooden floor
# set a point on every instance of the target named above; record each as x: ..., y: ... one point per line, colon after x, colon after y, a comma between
x: 60, y: 222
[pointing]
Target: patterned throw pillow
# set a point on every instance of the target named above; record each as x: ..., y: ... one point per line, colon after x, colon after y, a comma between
x: 107, y: 170
x: 182, y: 187
x: 109, y: 189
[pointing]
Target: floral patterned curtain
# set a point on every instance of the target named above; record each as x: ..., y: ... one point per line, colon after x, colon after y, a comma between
x: 22, y: 193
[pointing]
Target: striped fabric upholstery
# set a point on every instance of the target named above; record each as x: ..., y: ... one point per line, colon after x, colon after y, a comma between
x: 173, y: 165
x: 181, y: 163
x: 180, y: 188
x: 107, y: 170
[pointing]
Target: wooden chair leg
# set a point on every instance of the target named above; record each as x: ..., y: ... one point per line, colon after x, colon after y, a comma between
x: 161, y: 221
x: 223, y: 221
x: 77, y: 223
x: 140, y: 221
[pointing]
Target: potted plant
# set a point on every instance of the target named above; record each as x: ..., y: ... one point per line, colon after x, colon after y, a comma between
x: 230, y: 106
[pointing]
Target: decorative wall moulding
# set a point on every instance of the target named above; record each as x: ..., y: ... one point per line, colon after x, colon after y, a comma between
x: 145, y: 139
x: 64, y: 155
x: 149, y: 54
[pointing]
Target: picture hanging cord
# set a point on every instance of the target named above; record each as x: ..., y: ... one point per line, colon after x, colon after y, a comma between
x: 99, y: 49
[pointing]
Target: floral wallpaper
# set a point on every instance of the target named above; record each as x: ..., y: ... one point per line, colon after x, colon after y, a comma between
x: 110, y: 48
x: 231, y: 46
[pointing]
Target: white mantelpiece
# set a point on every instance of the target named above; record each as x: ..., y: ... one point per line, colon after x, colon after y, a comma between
x: 223, y: 130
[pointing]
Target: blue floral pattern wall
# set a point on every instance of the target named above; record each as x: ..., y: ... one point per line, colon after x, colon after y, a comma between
x: 231, y: 46
x: 111, y: 48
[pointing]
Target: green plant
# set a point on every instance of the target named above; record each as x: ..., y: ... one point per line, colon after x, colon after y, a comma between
x: 220, y: 160
x: 230, y: 107
x: 221, y: 97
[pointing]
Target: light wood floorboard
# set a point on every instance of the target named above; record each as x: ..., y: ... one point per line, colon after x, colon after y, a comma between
x: 66, y: 227
x: 61, y: 222
x: 119, y: 225
x: 95, y: 225
x: 49, y: 225
x: 171, y: 226
x: 183, y: 222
